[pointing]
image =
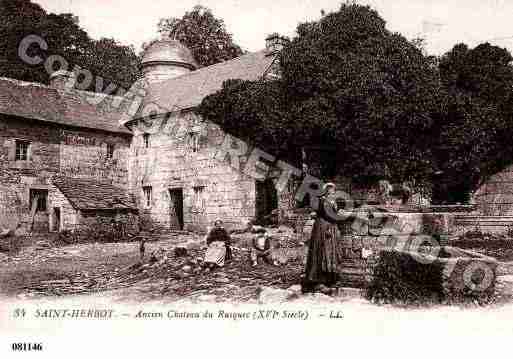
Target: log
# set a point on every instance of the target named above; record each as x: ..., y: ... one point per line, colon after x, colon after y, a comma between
x: 4, y: 233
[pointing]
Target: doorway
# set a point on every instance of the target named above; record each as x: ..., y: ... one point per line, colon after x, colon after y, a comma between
x: 55, y: 224
x: 266, y: 200
x: 176, y: 208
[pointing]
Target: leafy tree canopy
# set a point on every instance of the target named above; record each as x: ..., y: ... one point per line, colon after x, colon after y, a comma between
x: 389, y: 110
x: 347, y: 83
x: 474, y: 138
x: 204, y: 34
x: 64, y: 36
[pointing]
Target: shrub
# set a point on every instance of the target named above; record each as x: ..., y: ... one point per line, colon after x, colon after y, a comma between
x: 399, y: 277
x: 98, y: 232
x: 67, y: 237
x: 11, y: 244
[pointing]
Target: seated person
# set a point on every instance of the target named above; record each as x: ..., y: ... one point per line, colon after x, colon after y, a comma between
x: 262, y: 248
x: 218, y: 242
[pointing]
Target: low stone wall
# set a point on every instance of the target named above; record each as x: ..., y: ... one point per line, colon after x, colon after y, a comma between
x: 396, y: 229
x: 483, y: 224
x: 128, y: 221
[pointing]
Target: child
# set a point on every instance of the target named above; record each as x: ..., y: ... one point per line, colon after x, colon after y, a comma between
x: 262, y: 248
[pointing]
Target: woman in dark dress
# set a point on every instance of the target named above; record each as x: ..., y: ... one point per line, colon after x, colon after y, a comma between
x: 323, y: 254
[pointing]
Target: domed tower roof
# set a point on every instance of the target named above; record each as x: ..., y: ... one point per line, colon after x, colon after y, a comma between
x: 168, y: 51
x: 165, y: 59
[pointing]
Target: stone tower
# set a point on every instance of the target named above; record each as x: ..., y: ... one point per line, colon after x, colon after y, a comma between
x: 166, y: 58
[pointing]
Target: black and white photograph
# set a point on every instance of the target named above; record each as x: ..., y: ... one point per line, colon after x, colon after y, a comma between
x: 232, y: 178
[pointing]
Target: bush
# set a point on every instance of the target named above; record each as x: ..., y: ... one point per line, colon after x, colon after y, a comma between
x: 12, y: 244
x: 103, y: 233
x: 399, y: 277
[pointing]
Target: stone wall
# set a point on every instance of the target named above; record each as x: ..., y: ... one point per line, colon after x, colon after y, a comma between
x: 53, y: 150
x: 398, y: 229
x: 85, y: 154
x: 69, y: 216
x: 20, y: 176
x: 495, y: 196
x: 211, y: 188
x: 10, y: 204
x: 129, y: 220
x: 483, y: 224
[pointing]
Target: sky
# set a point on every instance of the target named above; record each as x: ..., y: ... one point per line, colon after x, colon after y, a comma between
x: 443, y: 23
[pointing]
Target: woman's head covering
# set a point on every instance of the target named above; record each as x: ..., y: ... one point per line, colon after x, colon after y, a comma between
x: 218, y: 220
x: 326, y: 187
x: 261, y: 230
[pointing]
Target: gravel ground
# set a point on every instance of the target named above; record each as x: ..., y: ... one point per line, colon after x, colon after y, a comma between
x: 42, y: 270
x: 114, y: 269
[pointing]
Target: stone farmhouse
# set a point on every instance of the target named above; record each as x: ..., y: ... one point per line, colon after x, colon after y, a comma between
x: 69, y: 158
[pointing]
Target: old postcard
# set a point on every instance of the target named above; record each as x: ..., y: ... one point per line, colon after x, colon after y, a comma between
x: 253, y: 179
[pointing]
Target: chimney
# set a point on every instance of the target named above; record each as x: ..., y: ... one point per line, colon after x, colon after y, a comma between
x: 274, y: 43
x: 62, y: 80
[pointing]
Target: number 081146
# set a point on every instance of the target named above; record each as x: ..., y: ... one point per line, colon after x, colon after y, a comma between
x: 26, y: 347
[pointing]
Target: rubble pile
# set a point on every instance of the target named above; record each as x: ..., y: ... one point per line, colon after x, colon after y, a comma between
x: 165, y: 273
x: 170, y: 266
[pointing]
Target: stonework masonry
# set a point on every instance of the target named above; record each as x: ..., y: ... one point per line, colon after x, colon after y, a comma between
x: 182, y: 158
x: 55, y: 150
x: 68, y: 216
x: 495, y: 196
x: 172, y: 171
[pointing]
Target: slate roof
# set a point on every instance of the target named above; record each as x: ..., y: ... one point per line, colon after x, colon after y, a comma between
x: 89, y: 194
x: 73, y: 108
x: 187, y: 91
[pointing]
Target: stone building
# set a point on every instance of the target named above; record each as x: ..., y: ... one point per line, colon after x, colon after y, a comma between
x: 70, y: 158
x: 85, y: 202
x: 174, y: 175
x: 495, y: 196
x: 59, y: 146
x: 48, y: 131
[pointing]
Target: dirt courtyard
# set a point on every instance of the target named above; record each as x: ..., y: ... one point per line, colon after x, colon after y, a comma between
x: 41, y: 271
x: 113, y: 269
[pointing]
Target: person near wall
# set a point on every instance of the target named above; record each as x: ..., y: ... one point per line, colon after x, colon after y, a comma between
x: 218, y: 242
x: 324, y: 254
x: 261, y: 248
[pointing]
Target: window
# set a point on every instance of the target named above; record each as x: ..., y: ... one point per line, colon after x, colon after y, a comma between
x: 38, y: 198
x: 198, y: 201
x: 147, y: 196
x: 110, y: 150
x: 194, y: 141
x: 146, y: 140
x: 22, y: 150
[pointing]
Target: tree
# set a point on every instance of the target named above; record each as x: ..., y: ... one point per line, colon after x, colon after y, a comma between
x: 252, y: 105
x: 474, y: 135
x: 350, y: 84
x: 123, y: 72
x: 65, y: 37
x: 204, y: 34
